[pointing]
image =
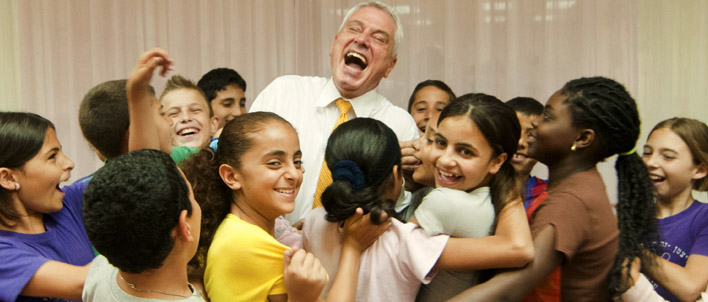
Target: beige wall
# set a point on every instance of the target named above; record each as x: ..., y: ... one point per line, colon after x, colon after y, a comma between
x: 9, y: 92
x: 52, y: 52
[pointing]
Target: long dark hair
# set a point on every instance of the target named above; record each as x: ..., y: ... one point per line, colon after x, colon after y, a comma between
x: 368, y: 150
x: 21, y: 137
x: 500, y: 127
x: 606, y: 107
x: 202, y: 171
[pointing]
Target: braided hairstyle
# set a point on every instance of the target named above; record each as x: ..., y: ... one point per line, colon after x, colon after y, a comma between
x: 364, y: 151
x: 606, y: 107
x: 202, y: 171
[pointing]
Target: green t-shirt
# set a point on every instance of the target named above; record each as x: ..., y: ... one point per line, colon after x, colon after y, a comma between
x: 180, y: 153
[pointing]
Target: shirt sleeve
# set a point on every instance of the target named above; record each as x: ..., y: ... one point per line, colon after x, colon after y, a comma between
x: 435, y: 216
x: 264, y: 99
x: 700, y: 245
x: 569, y: 217
x: 641, y: 291
x: 17, y: 267
x: 420, y: 252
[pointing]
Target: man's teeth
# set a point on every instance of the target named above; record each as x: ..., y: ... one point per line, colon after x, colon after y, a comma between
x: 355, y: 58
x: 290, y: 191
x: 358, y: 56
x: 519, y: 156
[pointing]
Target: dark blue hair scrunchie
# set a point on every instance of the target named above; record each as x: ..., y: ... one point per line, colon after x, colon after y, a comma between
x: 350, y: 171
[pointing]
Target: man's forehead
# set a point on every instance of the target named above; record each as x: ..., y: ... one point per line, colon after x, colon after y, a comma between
x: 373, y: 13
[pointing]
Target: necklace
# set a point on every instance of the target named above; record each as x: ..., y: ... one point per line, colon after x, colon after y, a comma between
x: 153, y: 290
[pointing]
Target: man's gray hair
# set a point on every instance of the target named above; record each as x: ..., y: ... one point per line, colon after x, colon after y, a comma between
x: 398, y: 36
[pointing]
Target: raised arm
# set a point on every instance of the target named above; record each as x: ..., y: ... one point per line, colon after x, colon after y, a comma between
x: 143, y: 130
x: 513, y: 285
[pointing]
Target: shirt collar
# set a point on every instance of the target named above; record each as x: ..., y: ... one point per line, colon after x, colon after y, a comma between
x: 363, y: 105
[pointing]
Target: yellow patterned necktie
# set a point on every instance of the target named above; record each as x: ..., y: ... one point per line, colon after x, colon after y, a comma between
x: 325, y: 175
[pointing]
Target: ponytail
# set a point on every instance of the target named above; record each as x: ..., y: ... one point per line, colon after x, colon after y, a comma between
x: 636, y: 212
x: 361, y: 154
x: 340, y: 201
x: 604, y: 105
x: 213, y: 196
x: 504, y: 187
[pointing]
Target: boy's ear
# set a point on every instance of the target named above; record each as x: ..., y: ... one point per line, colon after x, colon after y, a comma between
x: 7, y: 179
x: 230, y: 176
x: 183, y: 229
x: 213, y: 125
x: 98, y: 153
x: 496, y: 163
x: 585, y: 138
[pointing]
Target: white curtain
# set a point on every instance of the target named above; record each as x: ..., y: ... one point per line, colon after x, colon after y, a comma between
x: 54, y: 51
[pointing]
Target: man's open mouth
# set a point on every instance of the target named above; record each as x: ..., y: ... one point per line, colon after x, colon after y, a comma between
x: 355, y: 60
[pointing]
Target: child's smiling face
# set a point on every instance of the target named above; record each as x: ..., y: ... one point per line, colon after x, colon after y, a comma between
x: 464, y: 159
x: 671, y: 166
x: 270, y: 172
x: 39, y: 177
x: 555, y: 134
x: 424, y: 173
x: 188, y: 111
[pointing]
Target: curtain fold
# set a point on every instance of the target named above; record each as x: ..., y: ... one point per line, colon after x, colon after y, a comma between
x: 54, y: 51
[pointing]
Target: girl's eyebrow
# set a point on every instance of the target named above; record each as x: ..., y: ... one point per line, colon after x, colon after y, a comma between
x: 275, y: 153
x: 52, y: 151
x: 281, y: 153
x: 467, y: 145
x: 664, y: 149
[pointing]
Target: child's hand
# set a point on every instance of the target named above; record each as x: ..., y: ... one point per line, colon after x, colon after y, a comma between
x: 145, y: 118
x: 360, y: 232
x: 147, y: 62
x: 408, y: 161
x: 304, y: 276
x: 634, y: 268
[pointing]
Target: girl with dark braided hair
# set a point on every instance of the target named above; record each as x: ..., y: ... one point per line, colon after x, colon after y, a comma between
x: 586, y: 121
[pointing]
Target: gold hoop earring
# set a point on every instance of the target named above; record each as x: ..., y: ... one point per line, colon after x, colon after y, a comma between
x: 572, y: 148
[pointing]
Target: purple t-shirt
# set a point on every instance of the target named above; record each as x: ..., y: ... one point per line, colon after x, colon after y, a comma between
x: 65, y: 240
x: 682, y: 235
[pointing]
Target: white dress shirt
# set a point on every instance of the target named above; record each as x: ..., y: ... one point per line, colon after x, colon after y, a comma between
x: 308, y: 103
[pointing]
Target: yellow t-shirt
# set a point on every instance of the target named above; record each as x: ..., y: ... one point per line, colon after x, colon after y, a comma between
x: 244, y: 263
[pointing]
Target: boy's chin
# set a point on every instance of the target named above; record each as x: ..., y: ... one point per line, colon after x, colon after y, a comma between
x: 196, y: 142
